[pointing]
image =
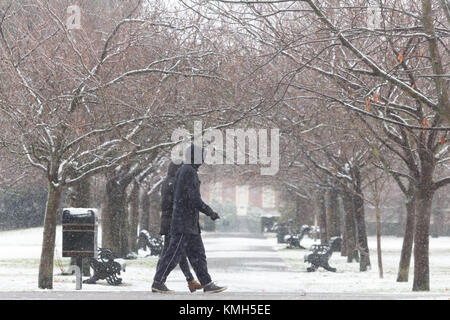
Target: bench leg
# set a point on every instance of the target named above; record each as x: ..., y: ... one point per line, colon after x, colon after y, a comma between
x: 312, y: 268
x: 329, y: 268
x: 91, y: 280
x: 114, y: 280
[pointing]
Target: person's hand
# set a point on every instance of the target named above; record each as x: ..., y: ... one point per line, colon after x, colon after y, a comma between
x: 214, y: 216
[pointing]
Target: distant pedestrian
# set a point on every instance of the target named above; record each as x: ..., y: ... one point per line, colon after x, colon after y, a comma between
x: 185, y: 238
x: 167, y: 189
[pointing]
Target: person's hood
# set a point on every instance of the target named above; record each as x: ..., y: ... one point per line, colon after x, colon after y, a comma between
x: 172, y: 170
x: 189, y: 155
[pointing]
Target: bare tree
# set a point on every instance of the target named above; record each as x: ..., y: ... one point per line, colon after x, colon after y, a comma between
x: 393, y: 72
x: 71, y: 99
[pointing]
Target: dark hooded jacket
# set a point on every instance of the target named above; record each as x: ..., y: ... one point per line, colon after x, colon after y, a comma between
x: 187, y: 199
x: 167, y: 189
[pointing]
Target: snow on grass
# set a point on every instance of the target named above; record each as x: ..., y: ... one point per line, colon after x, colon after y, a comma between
x: 349, y: 279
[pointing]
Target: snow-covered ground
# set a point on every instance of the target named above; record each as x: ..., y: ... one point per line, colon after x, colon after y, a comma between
x: 243, y: 263
x: 348, y: 278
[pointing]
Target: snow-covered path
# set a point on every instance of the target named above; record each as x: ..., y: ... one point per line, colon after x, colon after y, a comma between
x: 249, y: 263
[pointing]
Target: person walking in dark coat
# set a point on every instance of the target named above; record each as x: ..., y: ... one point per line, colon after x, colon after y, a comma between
x: 185, y: 236
x: 167, y: 189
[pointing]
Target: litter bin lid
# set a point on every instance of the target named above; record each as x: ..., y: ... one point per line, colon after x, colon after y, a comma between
x: 79, y: 214
x: 77, y: 211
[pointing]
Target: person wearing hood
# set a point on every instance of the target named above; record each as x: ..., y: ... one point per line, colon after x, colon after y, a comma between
x: 167, y: 189
x: 185, y: 239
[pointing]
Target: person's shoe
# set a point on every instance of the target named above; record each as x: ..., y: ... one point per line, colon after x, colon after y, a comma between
x: 194, y: 285
x: 160, y: 287
x: 213, y: 288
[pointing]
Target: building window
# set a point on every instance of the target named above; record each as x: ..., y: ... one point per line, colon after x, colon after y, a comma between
x: 242, y: 200
x: 268, y: 197
x: 216, y: 192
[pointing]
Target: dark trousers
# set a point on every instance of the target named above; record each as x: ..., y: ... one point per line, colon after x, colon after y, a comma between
x: 182, y: 245
x: 184, y: 264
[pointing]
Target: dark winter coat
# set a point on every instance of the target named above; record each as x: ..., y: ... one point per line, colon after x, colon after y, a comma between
x: 187, y: 201
x: 167, y: 189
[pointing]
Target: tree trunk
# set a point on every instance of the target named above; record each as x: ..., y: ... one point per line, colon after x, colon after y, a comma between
x: 144, y: 215
x: 344, y: 232
x: 79, y: 196
x: 421, y: 239
x: 333, y: 219
x: 155, y: 214
x: 405, y: 256
x: 106, y: 222
x: 298, y: 212
x: 344, y: 247
x: 134, y: 217
x: 379, y: 255
x: 350, y: 229
x: 440, y: 81
x: 124, y: 228
x: 322, y: 210
x: 45, y: 280
x: 358, y: 199
x: 113, y: 213
x: 364, y: 261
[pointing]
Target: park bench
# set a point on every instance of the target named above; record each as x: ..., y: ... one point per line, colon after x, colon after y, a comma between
x: 321, y: 254
x: 106, y: 267
x: 294, y: 239
x: 282, y: 230
x: 336, y: 244
x: 155, y: 244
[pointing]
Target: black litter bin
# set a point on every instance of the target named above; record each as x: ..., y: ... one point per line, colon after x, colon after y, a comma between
x: 282, y: 232
x: 79, y: 232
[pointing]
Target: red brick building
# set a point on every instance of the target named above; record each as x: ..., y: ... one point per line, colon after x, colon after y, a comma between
x: 243, y: 196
